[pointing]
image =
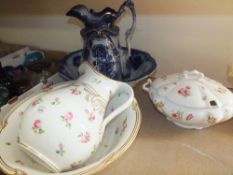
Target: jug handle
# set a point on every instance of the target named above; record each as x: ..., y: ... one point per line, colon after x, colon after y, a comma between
x: 129, y: 33
x: 123, y: 88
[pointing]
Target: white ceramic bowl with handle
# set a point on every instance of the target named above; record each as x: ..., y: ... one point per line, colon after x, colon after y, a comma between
x: 190, y: 99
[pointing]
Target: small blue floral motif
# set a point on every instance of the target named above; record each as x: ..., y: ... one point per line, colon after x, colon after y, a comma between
x: 99, y: 51
x: 105, y: 62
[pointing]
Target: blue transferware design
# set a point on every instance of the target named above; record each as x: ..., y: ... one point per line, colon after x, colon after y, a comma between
x: 140, y: 65
x: 101, y: 38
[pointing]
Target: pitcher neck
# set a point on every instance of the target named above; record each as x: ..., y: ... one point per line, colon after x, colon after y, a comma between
x: 109, y: 29
x: 102, y: 85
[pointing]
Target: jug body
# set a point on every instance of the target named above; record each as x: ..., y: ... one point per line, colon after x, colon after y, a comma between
x: 102, y: 49
x: 101, y: 43
x: 63, y: 127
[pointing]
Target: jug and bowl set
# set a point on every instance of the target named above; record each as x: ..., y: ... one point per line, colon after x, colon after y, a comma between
x: 65, y: 125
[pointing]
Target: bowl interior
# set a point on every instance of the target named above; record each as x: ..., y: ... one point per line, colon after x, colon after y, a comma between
x: 140, y: 65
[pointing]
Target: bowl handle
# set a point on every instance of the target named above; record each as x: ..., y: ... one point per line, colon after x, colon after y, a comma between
x: 147, y: 85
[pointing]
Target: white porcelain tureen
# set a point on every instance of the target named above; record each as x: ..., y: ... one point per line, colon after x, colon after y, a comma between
x: 190, y: 99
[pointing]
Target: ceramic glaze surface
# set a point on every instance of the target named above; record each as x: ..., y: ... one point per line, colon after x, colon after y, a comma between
x: 101, y: 44
x: 118, y: 137
x: 69, y: 118
x: 191, y: 100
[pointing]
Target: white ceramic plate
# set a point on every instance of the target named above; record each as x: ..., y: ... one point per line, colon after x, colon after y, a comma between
x: 119, y: 135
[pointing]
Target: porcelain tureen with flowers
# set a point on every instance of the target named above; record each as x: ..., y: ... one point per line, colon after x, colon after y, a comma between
x: 190, y: 99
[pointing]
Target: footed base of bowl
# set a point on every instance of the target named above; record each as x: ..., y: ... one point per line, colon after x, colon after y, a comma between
x: 39, y: 158
x: 185, y: 126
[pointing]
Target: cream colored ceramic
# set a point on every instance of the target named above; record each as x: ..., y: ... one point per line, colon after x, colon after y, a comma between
x: 63, y: 127
x: 119, y: 135
x: 190, y: 99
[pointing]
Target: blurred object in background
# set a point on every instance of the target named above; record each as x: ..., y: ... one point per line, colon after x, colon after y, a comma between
x: 23, y: 68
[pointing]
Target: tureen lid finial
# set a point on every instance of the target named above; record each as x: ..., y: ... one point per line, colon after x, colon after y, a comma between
x: 193, y: 74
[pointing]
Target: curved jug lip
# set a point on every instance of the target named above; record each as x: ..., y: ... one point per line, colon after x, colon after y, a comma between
x: 99, y: 73
x: 93, y: 18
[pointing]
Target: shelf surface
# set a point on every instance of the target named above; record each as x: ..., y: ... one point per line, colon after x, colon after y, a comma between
x: 163, y: 148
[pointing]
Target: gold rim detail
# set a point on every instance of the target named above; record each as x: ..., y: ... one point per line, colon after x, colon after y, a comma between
x: 95, y: 99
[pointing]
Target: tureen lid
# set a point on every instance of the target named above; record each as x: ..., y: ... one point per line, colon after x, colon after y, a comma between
x: 192, y: 89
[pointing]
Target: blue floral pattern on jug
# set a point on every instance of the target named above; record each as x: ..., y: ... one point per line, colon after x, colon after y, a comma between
x: 105, y: 62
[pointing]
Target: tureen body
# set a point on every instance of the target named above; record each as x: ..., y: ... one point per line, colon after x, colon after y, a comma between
x: 191, y: 100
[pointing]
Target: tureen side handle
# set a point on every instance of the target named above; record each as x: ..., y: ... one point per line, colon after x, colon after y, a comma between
x: 123, y: 88
x: 147, y: 85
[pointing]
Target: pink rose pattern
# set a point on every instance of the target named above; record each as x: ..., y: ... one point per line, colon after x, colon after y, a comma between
x: 37, y: 127
x: 36, y: 102
x: 67, y: 118
x: 91, y: 116
x: 75, y: 91
x: 60, y: 151
x: 124, y: 125
x: 47, y: 87
x: 84, y: 137
x: 76, y: 165
x: 189, y: 117
x: 122, y: 128
x: 185, y: 92
x: 212, y: 120
x: 177, y: 115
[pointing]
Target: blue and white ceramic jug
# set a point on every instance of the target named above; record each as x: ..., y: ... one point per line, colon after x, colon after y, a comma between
x: 101, y: 43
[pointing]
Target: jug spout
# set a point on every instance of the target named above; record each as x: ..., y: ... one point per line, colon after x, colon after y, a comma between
x: 108, y: 89
x: 92, y: 18
x: 78, y: 11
